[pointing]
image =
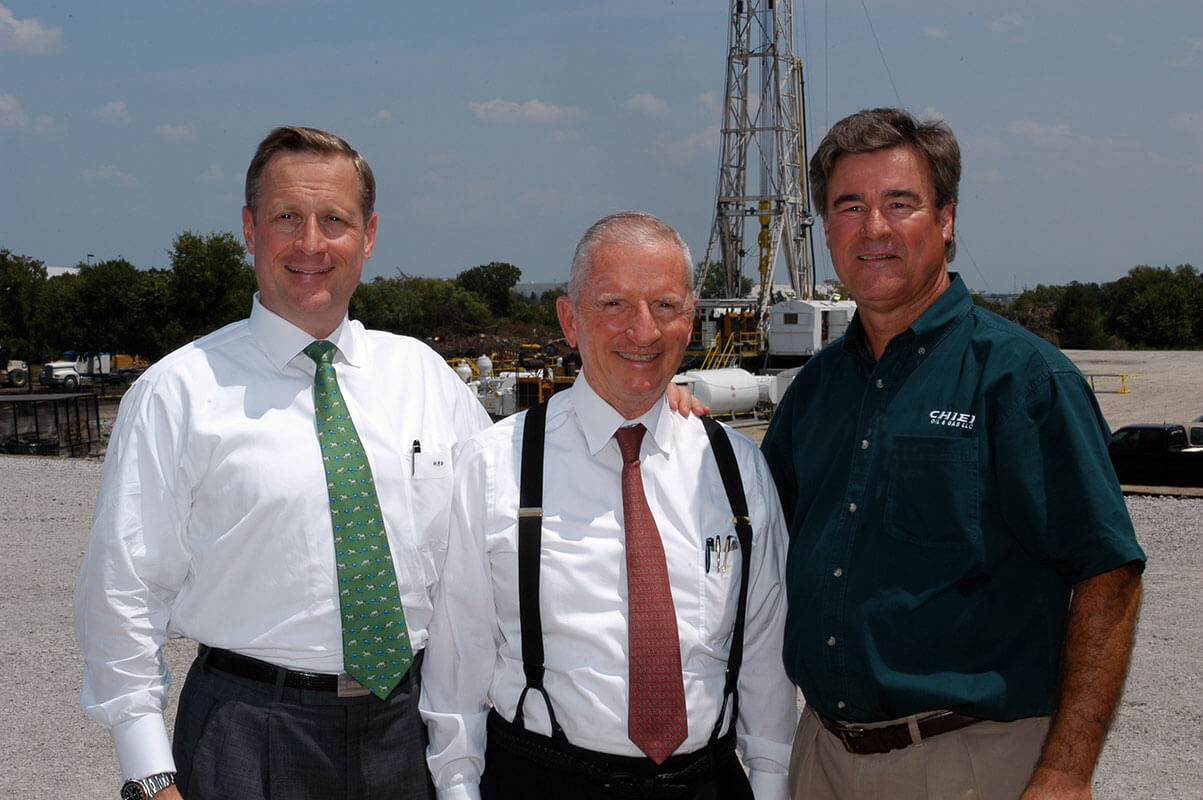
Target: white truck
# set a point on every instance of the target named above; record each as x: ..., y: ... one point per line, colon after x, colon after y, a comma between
x: 91, y: 369
x: 13, y: 371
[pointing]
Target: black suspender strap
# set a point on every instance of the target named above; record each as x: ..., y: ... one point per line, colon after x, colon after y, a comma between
x: 530, y: 538
x: 728, y: 469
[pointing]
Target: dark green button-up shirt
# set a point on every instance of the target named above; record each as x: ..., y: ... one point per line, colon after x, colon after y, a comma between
x: 942, y: 502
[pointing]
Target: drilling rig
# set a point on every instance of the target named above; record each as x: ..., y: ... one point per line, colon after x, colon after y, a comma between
x: 761, y: 212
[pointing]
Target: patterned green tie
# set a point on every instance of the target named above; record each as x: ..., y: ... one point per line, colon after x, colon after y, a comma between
x: 376, y: 648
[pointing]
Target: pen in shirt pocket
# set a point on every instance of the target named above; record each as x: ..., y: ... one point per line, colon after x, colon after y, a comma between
x: 413, y: 455
x: 709, y: 547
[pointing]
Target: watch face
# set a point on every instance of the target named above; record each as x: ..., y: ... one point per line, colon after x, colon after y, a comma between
x: 132, y: 791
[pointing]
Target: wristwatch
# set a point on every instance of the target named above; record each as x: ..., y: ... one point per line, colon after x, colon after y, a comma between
x: 146, y: 788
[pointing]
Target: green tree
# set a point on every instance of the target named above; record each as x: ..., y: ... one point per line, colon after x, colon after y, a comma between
x: 21, y: 280
x: 1077, y: 318
x: 1156, y: 306
x: 493, y: 283
x: 211, y: 281
x: 420, y: 307
x: 1034, y: 310
x: 714, y: 282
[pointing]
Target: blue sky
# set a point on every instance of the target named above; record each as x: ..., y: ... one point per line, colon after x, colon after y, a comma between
x: 498, y: 131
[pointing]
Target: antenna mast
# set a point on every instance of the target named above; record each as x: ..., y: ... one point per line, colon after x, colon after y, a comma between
x: 762, y: 169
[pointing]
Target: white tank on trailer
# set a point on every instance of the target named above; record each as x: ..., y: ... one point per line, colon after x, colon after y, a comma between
x: 726, y: 391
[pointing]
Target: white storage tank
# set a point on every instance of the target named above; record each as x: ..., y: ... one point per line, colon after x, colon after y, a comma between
x: 726, y: 391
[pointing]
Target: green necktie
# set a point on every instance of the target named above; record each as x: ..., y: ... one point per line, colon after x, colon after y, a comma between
x: 376, y: 649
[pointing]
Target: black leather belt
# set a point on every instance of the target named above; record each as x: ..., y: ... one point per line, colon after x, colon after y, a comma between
x: 253, y: 669
x: 884, y: 738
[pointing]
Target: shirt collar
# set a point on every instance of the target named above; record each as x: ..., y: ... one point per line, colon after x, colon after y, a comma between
x: 932, y: 325
x: 281, y: 341
x: 599, y: 419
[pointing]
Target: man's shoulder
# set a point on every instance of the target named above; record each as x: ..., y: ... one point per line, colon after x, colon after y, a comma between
x: 1016, y: 344
x: 183, y: 360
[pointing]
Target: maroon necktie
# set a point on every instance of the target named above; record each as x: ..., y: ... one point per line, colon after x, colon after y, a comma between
x: 657, y: 692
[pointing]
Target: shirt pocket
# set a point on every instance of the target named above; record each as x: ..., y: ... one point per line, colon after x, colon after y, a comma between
x: 720, y: 574
x: 933, y: 496
x: 430, y: 486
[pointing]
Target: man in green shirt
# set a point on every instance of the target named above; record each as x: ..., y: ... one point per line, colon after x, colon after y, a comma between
x: 963, y: 576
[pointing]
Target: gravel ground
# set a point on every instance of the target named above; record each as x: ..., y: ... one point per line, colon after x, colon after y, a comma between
x: 1155, y: 749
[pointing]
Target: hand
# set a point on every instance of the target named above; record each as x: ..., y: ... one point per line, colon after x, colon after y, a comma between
x: 170, y: 793
x: 1047, y: 784
x: 681, y: 400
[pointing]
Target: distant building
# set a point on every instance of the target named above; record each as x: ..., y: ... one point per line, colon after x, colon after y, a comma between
x: 54, y: 271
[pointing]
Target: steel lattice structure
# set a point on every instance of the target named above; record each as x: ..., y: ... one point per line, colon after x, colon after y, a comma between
x: 762, y: 161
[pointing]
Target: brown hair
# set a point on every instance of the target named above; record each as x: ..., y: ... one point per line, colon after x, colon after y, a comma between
x: 292, y: 139
x: 883, y: 128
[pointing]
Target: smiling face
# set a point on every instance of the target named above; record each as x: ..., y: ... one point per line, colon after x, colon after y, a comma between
x: 631, y: 322
x: 309, y: 238
x: 885, y: 233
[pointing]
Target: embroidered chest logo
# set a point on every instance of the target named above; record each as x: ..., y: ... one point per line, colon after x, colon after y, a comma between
x: 952, y: 419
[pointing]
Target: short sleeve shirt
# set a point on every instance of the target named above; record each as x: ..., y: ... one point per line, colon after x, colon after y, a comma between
x: 942, y: 501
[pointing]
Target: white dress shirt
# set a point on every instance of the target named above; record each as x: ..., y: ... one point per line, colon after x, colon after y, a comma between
x: 213, y: 519
x: 474, y: 658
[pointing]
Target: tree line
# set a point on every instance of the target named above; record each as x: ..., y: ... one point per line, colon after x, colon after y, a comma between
x: 116, y: 307
x: 1151, y: 308
x: 112, y: 306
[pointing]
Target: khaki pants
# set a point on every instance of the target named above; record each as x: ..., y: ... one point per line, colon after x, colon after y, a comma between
x: 985, y: 761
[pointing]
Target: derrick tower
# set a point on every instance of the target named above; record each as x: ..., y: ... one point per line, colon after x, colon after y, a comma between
x: 762, y: 162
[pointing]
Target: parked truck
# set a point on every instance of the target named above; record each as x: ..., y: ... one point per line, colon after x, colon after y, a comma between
x: 1156, y: 455
x: 13, y: 372
x: 91, y: 369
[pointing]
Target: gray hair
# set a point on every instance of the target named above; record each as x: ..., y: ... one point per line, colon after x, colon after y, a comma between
x: 628, y: 227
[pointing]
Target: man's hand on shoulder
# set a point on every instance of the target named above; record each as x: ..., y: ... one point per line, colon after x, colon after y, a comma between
x: 683, y: 401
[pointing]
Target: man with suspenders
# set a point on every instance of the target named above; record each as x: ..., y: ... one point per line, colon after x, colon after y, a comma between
x: 609, y: 621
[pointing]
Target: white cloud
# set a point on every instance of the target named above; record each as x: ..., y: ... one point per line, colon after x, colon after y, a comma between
x: 27, y: 35
x: 932, y: 32
x: 115, y: 111
x: 13, y: 116
x: 1004, y: 24
x: 110, y: 174
x: 1041, y: 134
x: 1194, y: 47
x: 703, y: 143
x: 509, y: 112
x: 647, y: 104
x: 214, y: 174
x: 379, y: 117
x: 562, y: 135
x: 11, y: 113
x: 439, y: 159
x: 710, y: 103
x: 176, y: 133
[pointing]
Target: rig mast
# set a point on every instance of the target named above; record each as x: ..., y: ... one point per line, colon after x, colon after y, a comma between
x: 762, y: 163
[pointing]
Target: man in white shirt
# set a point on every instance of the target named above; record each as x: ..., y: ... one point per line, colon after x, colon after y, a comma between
x: 214, y: 520
x: 560, y: 678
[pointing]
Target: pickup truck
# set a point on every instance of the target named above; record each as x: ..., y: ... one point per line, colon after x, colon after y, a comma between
x: 1156, y: 455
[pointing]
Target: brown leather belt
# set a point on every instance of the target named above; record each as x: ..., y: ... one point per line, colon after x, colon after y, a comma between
x: 883, y: 739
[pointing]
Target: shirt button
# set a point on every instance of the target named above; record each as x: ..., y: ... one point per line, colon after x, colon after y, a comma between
x: 831, y: 641
x: 841, y: 704
x: 864, y: 444
x: 838, y: 572
x: 852, y: 508
x: 880, y: 383
x: 922, y: 351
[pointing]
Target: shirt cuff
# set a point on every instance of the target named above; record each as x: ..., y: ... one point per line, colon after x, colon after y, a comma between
x: 143, y: 747
x: 769, y: 785
x: 459, y: 791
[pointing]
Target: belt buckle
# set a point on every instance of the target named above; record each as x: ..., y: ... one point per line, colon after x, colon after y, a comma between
x: 848, y: 734
x: 349, y: 687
